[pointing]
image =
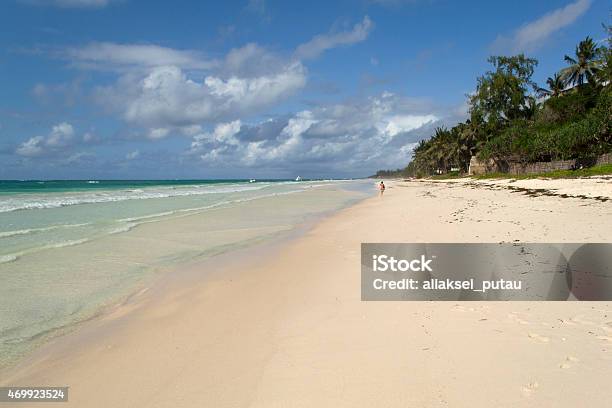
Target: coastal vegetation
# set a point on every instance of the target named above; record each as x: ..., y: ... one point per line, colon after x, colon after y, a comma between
x: 600, y: 170
x: 511, y: 118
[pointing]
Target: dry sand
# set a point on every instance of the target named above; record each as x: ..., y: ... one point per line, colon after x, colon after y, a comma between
x: 283, y: 326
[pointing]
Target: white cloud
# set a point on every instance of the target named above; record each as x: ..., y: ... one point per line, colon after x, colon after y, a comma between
x: 121, y: 57
x: 244, y: 93
x: 132, y: 155
x: 158, y: 133
x: 60, y: 136
x: 533, y: 35
x: 71, y: 3
x: 167, y: 98
x: 165, y: 91
x: 32, y: 147
x: 223, y: 134
x: 363, y: 135
x: 191, y: 130
x: 323, y: 42
x: 79, y: 158
x: 396, y: 124
x: 251, y: 60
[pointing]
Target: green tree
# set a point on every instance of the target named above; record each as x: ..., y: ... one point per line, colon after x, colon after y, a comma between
x: 506, y: 122
x: 502, y: 94
x: 605, y: 73
x: 585, y: 65
x: 556, y: 85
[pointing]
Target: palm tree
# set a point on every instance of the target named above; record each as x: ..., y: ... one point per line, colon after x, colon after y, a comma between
x: 605, y: 75
x: 585, y: 65
x: 555, y: 86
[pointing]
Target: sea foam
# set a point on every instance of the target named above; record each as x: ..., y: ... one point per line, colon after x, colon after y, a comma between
x: 45, y: 201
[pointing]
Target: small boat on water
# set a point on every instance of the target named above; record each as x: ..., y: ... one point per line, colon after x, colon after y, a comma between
x: 298, y: 178
x: 252, y: 180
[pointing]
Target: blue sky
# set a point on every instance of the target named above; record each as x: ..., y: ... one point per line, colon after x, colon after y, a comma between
x: 259, y: 88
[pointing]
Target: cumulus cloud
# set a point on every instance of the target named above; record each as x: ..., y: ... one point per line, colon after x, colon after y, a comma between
x: 32, y: 147
x: 60, y: 136
x: 533, y: 35
x: 71, y: 3
x: 165, y: 91
x: 379, y: 132
x: 222, y: 136
x: 167, y: 98
x: 324, y: 42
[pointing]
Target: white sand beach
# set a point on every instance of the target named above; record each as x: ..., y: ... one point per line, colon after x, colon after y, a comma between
x: 282, y: 324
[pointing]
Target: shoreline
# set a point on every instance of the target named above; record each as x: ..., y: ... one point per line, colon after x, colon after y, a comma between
x: 159, y: 274
x: 286, y: 327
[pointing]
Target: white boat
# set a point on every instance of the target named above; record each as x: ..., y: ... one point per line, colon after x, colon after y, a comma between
x: 298, y: 178
x: 252, y: 180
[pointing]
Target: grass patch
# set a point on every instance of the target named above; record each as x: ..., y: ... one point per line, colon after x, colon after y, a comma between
x: 603, y: 170
x: 449, y: 175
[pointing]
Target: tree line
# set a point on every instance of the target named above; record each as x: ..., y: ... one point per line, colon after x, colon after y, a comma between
x: 511, y: 118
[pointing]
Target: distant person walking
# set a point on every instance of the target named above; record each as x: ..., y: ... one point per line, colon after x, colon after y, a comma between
x: 381, y: 188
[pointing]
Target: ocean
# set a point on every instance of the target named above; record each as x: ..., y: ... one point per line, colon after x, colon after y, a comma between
x: 70, y: 248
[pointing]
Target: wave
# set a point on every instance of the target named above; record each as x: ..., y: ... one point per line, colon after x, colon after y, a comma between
x: 130, y: 223
x: 67, y: 243
x: 8, y: 258
x: 144, y: 217
x: 124, y: 228
x: 6, y: 234
x: 13, y: 257
x: 45, y: 201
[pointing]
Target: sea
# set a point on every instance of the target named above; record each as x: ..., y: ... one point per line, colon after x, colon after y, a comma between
x: 68, y: 249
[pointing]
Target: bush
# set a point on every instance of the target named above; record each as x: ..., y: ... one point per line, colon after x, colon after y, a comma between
x: 585, y: 135
x: 568, y: 107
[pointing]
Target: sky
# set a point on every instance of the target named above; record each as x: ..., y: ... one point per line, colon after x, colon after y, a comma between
x: 148, y: 89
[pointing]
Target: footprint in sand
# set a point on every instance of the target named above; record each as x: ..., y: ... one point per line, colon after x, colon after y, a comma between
x: 460, y: 308
x: 521, y: 321
x: 517, y: 319
x: 539, y: 337
x: 568, y: 362
x: 580, y: 320
x: 530, y: 388
x: 606, y: 338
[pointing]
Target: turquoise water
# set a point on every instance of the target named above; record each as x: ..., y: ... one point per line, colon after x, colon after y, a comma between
x: 69, y: 248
